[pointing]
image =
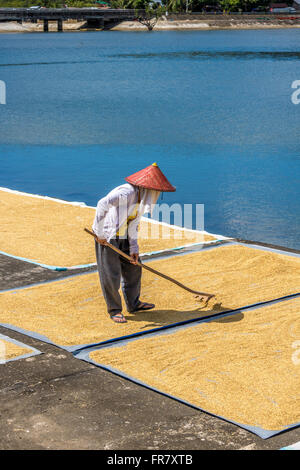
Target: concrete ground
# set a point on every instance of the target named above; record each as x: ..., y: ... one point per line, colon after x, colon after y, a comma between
x: 54, y: 401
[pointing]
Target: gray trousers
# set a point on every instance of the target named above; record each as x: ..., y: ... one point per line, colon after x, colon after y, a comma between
x: 113, y: 270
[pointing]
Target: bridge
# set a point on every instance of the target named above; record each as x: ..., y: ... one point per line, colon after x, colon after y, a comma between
x: 107, y: 18
x: 97, y: 17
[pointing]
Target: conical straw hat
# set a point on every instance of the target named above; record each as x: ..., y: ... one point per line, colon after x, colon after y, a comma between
x: 151, y: 178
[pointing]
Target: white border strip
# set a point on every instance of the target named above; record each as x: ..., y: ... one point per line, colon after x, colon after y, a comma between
x: 184, y: 229
x: 61, y: 201
x: 295, y: 446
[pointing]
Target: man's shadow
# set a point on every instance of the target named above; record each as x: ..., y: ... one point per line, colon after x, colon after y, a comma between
x: 156, y: 318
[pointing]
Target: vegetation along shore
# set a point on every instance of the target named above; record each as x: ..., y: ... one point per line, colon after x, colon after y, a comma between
x: 139, y: 15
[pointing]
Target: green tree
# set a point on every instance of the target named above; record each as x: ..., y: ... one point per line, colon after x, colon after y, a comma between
x: 230, y: 5
x: 123, y: 4
x: 131, y: 4
x: 242, y: 5
x: 175, y: 5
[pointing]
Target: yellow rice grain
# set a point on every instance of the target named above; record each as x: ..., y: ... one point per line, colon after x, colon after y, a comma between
x: 52, y: 233
x: 10, y: 350
x: 73, y: 311
x: 244, y: 367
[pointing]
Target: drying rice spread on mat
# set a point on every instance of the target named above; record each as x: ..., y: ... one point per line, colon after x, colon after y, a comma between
x: 243, y: 367
x: 73, y: 311
x: 50, y: 232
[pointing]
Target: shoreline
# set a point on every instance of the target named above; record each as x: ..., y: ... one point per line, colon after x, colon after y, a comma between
x: 162, y: 25
x: 208, y: 24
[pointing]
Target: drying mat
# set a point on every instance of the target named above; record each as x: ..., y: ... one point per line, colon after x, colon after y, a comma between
x: 72, y: 313
x: 49, y: 232
x: 241, y: 368
x: 11, y: 350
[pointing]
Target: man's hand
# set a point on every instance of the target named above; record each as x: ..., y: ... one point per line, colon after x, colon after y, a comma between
x: 135, y: 258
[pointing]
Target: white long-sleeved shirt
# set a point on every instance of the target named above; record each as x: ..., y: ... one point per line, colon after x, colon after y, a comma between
x: 114, y: 209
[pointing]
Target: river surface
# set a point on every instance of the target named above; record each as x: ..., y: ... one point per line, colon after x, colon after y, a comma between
x: 212, y: 108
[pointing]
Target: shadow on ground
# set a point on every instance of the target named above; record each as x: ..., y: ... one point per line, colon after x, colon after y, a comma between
x: 160, y: 318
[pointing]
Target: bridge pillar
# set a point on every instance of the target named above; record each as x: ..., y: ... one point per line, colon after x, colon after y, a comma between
x: 60, y: 25
x: 46, y: 26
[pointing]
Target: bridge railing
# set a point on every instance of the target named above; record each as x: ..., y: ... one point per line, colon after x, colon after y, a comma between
x: 61, y: 12
x: 81, y: 13
x: 64, y: 13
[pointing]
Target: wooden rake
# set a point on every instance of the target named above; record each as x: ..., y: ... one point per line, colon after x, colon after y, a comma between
x: 154, y: 271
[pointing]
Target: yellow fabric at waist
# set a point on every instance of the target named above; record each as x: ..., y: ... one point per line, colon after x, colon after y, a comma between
x: 123, y: 229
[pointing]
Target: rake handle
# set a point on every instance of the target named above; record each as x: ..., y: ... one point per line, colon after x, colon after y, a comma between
x: 124, y: 255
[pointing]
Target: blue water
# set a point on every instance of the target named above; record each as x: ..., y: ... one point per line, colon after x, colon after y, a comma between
x: 212, y: 108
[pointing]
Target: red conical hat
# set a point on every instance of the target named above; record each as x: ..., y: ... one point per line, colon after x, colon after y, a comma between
x: 151, y: 178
